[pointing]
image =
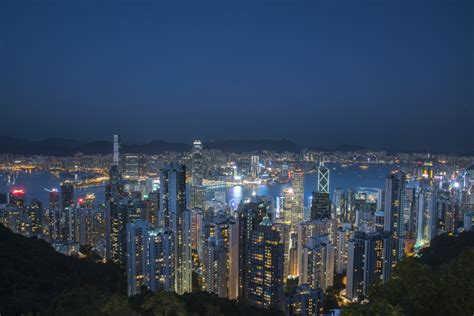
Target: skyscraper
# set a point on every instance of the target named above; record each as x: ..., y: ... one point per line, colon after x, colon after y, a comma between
x: 132, y: 166
x: 254, y: 166
x: 323, y: 178
x: 67, y: 210
x: 250, y: 216
x: 160, y: 259
x: 318, y: 263
x: 297, y: 183
x: 115, y: 219
x: 220, y: 254
x: 137, y: 256
x: 215, y: 267
x: 368, y: 261
x: 54, y: 218
x: 17, y: 198
x: 427, y: 219
x: 198, y: 192
x: 116, y: 151
x: 320, y: 206
x: 394, y: 221
x: 174, y: 216
x: 265, y: 282
x: 67, y: 194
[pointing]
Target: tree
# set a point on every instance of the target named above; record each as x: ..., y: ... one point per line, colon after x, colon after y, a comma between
x: 164, y: 304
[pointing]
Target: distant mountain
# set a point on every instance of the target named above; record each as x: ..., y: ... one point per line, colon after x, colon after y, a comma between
x: 68, y: 147
x: 281, y: 145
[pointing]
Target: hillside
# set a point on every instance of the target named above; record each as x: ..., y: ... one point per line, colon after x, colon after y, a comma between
x: 438, y: 282
x: 34, y: 278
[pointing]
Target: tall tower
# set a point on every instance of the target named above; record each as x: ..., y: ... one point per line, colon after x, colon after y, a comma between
x: 250, y: 215
x: 67, y: 194
x: 137, y: 253
x: 116, y: 152
x: 297, y: 183
x: 321, y: 204
x: 67, y: 209
x: 323, y: 178
x: 114, y: 217
x: 54, y: 215
x: 174, y: 216
x: 198, y: 193
x: 394, y: 209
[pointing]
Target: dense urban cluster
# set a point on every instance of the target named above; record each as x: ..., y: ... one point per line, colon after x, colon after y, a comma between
x: 162, y: 222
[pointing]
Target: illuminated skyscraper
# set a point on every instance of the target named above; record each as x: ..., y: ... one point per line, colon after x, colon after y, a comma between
x: 344, y: 234
x: 54, y: 217
x: 323, y: 178
x: 137, y: 256
x: 116, y: 151
x: 215, y: 267
x: 320, y: 206
x: 265, y: 282
x: 368, y: 261
x: 394, y: 221
x: 174, y: 216
x: 67, y: 194
x: 318, y: 263
x: 149, y: 258
x: 250, y: 216
x: 309, y: 229
x: 254, y: 166
x: 305, y: 301
x: 34, y: 214
x: 297, y: 183
x: 338, y: 204
x: 160, y: 260
x: 198, y: 192
x: 115, y: 219
x: 17, y: 198
x: 427, y: 220
x: 67, y: 210
x: 220, y: 254
x: 132, y: 166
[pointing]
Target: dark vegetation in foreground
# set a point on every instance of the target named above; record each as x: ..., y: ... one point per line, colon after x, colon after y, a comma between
x: 438, y: 282
x: 35, y: 279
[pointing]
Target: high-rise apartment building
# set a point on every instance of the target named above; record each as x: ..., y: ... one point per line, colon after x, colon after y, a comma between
x: 174, y: 216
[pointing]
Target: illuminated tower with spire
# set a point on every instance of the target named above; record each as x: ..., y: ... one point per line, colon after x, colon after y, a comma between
x: 323, y: 177
x: 198, y: 192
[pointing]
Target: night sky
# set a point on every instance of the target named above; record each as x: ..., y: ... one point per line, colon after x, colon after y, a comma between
x: 380, y: 73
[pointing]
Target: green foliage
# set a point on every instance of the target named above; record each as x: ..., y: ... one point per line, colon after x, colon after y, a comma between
x: 203, y: 303
x: 164, y: 304
x: 378, y: 308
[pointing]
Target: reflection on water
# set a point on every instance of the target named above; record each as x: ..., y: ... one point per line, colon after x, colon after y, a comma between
x: 350, y: 177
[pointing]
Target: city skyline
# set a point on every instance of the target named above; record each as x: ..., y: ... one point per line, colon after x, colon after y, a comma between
x: 373, y: 73
x: 237, y: 157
